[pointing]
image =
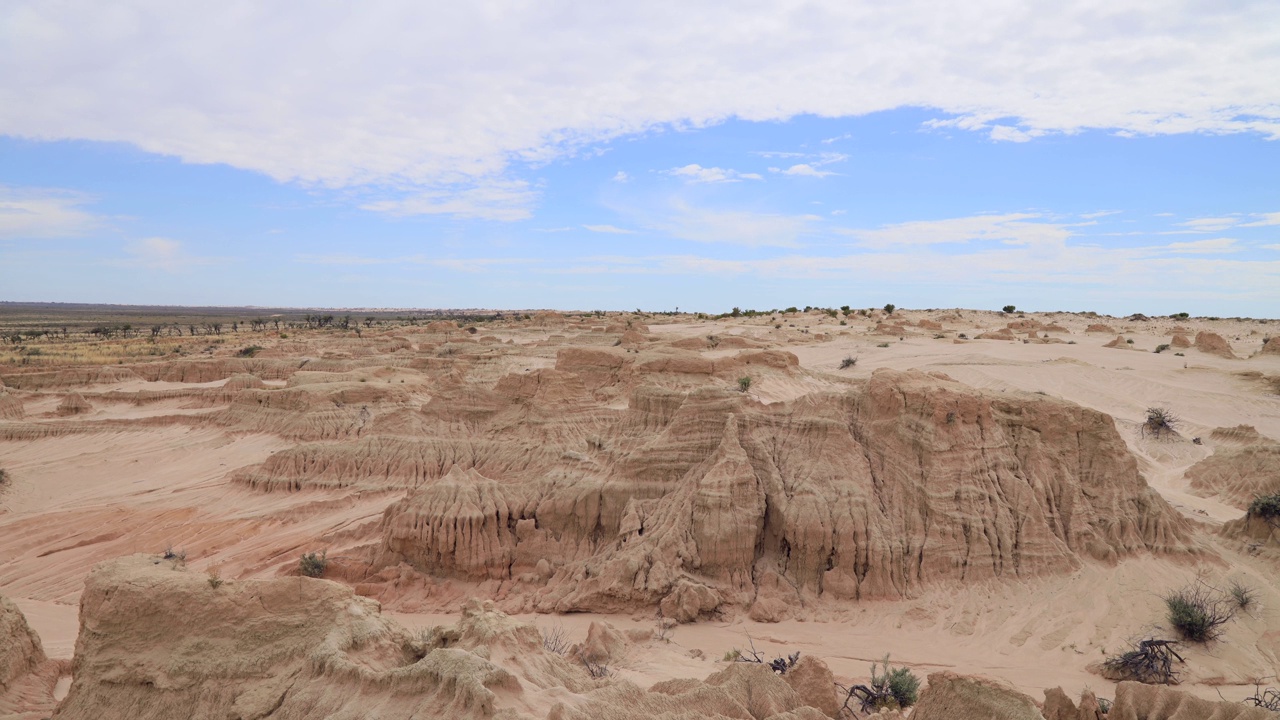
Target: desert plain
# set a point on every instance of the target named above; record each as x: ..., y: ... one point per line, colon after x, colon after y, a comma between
x: 546, y: 514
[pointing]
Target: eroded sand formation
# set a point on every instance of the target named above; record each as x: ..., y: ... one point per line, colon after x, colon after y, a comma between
x: 957, y: 498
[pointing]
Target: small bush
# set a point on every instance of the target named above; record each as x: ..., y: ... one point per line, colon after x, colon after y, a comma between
x: 1241, y: 595
x: 248, y: 352
x: 962, y: 336
x: 1010, y: 309
x: 1129, y: 341
x: 883, y: 345
x: 4, y: 476
x: 1149, y: 661
x: 313, y: 565
x: 215, y: 578
x: 596, y: 669
x: 1161, y: 348
x: 1266, y: 507
x: 848, y: 362
x: 744, y: 383
x: 178, y: 556
x: 889, y: 308
x: 554, y: 640
x: 895, y: 688
x: 1268, y: 699
x: 1197, y: 612
x: 1179, y: 355
x: 1159, y: 421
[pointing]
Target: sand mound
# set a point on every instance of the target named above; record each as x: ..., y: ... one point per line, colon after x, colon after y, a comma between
x: 74, y: 404
x: 1270, y: 347
x: 1238, y: 435
x: 1001, y: 334
x: 1135, y: 701
x: 1180, y: 341
x: 244, y: 381
x: 957, y: 697
x: 20, y: 649
x: 166, y: 643
x: 1214, y: 344
x: 1119, y: 343
x: 1237, y: 475
x: 27, y: 677
x: 10, y: 406
x: 912, y: 480
x: 1100, y: 328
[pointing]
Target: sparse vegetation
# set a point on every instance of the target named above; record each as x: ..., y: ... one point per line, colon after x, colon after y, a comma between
x: 1197, y: 612
x: 554, y: 640
x: 1241, y: 595
x: 1268, y: 699
x: 596, y: 669
x: 1161, y: 348
x: 1266, y: 507
x: 313, y: 565
x: 779, y: 665
x: 1149, y: 661
x: 1009, y: 309
x: 250, y: 351
x: 848, y: 362
x: 1159, y: 422
x: 883, y: 345
x: 4, y: 477
x: 177, y: 556
x: 889, y: 308
x: 744, y: 383
x: 215, y: 578
x: 894, y: 688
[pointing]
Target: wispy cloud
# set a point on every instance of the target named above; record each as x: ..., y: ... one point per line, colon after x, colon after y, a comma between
x: 695, y: 173
x: 621, y: 176
x: 40, y: 213
x: 1264, y: 220
x: 1198, y: 247
x: 612, y: 229
x: 501, y: 200
x: 1009, y: 229
x: 803, y: 170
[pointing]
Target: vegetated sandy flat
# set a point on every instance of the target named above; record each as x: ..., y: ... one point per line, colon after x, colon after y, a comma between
x: 386, y: 450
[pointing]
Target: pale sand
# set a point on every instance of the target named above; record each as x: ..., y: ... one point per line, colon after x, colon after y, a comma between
x: 84, y: 498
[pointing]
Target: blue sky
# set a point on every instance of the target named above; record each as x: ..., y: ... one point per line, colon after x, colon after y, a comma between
x: 581, y: 156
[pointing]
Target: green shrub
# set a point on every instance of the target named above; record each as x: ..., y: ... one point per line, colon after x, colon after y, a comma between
x: 744, y: 383
x: 1010, y: 309
x: 313, y: 565
x: 884, y: 344
x: 1197, y: 613
x: 848, y: 361
x: 1266, y: 507
x: 1241, y: 595
x: 889, y: 308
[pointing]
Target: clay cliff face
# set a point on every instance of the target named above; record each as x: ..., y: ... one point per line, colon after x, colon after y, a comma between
x: 697, y: 501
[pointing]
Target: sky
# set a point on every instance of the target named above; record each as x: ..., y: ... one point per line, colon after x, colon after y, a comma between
x: 1109, y: 155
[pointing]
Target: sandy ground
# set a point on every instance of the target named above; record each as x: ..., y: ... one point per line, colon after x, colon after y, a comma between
x: 82, y: 498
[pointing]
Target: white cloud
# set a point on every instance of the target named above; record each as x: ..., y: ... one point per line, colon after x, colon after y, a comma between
x: 695, y: 173
x: 491, y: 200
x: 1210, y: 224
x: 804, y: 170
x: 1217, y: 245
x: 1009, y: 229
x: 30, y: 214
x: 621, y: 176
x: 609, y: 229
x: 1008, y: 133
x: 430, y: 100
x: 1264, y: 220
x: 1098, y: 214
